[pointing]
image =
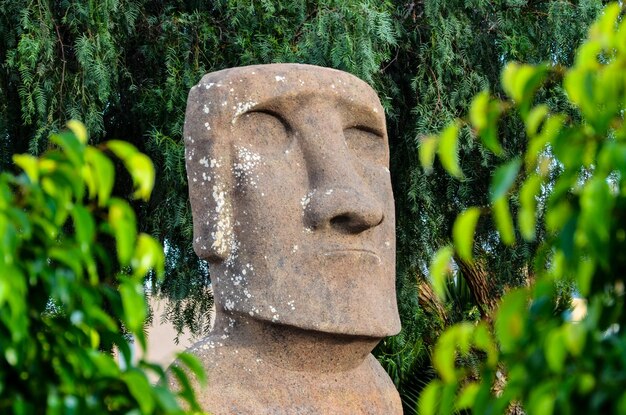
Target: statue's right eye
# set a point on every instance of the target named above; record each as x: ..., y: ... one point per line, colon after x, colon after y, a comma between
x: 265, y: 132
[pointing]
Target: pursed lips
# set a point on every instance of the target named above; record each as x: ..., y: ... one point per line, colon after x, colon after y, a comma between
x: 352, y: 252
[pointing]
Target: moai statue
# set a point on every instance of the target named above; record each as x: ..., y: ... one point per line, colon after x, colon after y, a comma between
x: 293, y: 210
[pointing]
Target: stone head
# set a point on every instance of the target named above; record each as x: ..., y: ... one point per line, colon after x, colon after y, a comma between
x: 291, y: 197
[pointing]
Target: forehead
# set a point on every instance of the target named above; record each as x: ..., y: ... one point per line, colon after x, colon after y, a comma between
x: 221, y: 97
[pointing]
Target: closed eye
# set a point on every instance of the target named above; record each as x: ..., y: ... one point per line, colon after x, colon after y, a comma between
x: 265, y: 131
x: 367, y: 144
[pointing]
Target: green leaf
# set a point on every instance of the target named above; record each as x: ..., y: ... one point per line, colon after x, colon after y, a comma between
x: 444, y: 354
x: 520, y: 81
x: 429, y: 399
x: 528, y: 204
x: 541, y: 399
x: 504, y: 222
x: 463, y: 233
x: 122, y: 149
x: 193, y: 364
x: 85, y: 227
x: 427, y: 150
x: 72, y: 147
x: 575, y: 336
x: 29, y: 164
x: 79, y: 130
x: 138, y: 165
x: 148, y: 255
x: 479, y: 111
x: 554, y: 349
x: 536, y: 116
x: 102, y: 171
x: 503, y: 179
x: 142, y: 172
x: 467, y: 396
x: 448, y: 150
x: 440, y: 269
x: 140, y: 389
x: 134, y: 303
x: 484, y: 341
x: 484, y: 116
x: 510, y: 318
x: 124, y: 225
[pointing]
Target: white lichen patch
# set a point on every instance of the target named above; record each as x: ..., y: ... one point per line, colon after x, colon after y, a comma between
x: 328, y: 192
x: 241, y: 108
x: 279, y: 78
x: 209, y: 85
x: 204, y: 161
x: 223, y: 239
x: 205, y: 109
x: 243, y: 168
x: 294, y: 249
x: 207, y: 126
x: 306, y: 200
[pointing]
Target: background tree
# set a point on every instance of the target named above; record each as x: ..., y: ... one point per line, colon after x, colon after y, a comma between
x: 124, y: 67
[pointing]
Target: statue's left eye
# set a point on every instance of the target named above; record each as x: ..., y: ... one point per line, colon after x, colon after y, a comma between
x: 265, y: 132
x: 366, y: 144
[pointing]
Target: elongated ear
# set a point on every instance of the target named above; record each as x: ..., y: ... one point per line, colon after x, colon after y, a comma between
x: 208, y: 161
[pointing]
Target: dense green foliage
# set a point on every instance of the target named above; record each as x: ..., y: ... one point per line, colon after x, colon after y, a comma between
x: 124, y: 67
x: 66, y: 301
x: 572, y: 177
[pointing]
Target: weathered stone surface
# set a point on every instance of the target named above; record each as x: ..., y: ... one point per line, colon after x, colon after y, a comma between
x: 293, y: 209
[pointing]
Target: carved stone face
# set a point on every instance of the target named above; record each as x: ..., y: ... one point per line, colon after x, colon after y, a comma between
x: 291, y: 197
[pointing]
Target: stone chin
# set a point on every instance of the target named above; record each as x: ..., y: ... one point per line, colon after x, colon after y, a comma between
x: 358, y: 308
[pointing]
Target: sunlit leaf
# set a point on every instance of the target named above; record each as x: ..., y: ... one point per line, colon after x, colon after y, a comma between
x: 528, y: 204
x: 479, y: 110
x: 142, y: 172
x: 448, y: 150
x: 140, y: 389
x: 510, y: 319
x: 520, y: 82
x: 79, y: 130
x: 148, y: 255
x: 124, y: 225
x: 134, y: 303
x: 440, y: 269
x: 467, y: 396
x: 72, y: 147
x: 429, y: 399
x: 29, y: 164
x: 536, y: 116
x: 85, y: 227
x: 103, y: 173
x: 504, y: 221
x: 463, y: 233
x: 427, y: 150
x: 554, y: 350
x: 193, y: 364
x: 503, y: 179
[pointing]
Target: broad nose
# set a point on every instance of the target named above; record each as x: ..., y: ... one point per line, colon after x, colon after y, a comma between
x: 340, y: 197
x: 343, y: 208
